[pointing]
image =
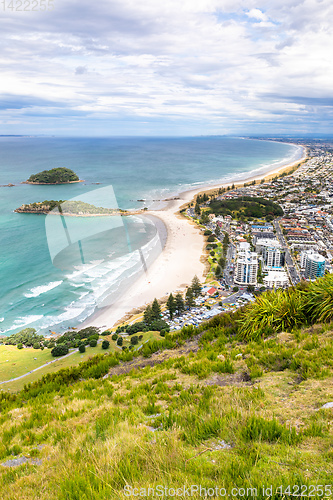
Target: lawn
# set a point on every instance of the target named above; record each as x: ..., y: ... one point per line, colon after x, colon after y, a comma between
x: 22, y: 361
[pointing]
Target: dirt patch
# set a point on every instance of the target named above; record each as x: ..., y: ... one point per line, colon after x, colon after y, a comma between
x: 156, y: 359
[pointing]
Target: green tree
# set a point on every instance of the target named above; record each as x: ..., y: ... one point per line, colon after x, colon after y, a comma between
x: 171, y: 305
x: 148, y: 315
x: 156, y: 309
x: 82, y: 348
x: 120, y: 341
x: 59, y: 350
x: 196, y: 286
x: 93, y: 343
x: 179, y: 303
x: 197, y: 209
x: 20, y: 346
x: 105, y: 344
x: 114, y: 336
x: 189, y: 298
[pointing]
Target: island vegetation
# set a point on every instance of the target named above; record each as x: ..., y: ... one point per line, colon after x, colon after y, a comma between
x: 75, y: 208
x: 60, y: 175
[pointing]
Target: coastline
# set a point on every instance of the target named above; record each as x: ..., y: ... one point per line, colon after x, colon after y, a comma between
x: 182, y: 256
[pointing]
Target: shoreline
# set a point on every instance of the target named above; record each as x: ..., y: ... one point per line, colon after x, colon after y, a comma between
x: 181, y: 258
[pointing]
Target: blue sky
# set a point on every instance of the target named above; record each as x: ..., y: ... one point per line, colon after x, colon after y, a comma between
x: 194, y: 67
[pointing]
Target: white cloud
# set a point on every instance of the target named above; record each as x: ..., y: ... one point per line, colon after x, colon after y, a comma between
x: 257, y: 14
x: 213, y: 59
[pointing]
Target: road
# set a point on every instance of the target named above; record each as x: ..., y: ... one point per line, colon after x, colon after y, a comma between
x: 292, y: 271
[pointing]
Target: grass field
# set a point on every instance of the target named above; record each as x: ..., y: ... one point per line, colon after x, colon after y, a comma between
x: 21, y: 361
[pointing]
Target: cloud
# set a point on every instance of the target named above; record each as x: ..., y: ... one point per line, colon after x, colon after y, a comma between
x: 212, y: 64
x: 257, y: 14
x: 81, y: 70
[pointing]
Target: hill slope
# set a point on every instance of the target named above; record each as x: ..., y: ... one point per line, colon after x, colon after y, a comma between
x: 201, y: 407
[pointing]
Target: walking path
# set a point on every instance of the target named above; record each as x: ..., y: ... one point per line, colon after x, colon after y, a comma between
x: 39, y: 367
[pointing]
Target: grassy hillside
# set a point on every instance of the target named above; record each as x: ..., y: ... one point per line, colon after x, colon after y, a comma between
x: 200, y: 407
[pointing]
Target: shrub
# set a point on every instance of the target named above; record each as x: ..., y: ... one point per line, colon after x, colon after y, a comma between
x: 114, y: 336
x: 20, y: 346
x: 82, y: 348
x: 93, y: 343
x: 162, y: 333
x: 134, y: 340
x: 318, y: 299
x: 105, y: 344
x: 120, y: 341
x: 59, y: 350
x: 106, y: 332
x: 36, y: 345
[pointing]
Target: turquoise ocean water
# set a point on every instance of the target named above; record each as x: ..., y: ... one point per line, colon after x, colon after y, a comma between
x: 54, y: 275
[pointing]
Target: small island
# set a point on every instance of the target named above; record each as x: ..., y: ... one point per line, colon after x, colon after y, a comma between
x: 59, y: 175
x: 68, y: 208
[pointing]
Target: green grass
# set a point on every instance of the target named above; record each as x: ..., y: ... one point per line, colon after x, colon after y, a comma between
x: 42, y: 358
x: 20, y: 361
x: 97, y: 433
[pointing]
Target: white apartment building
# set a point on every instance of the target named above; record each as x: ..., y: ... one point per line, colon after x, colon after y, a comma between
x: 272, y: 253
x: 246, y: 267
x: 276, y: 279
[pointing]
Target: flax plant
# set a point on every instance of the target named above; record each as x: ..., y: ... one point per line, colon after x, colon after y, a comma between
x: 273, y: 311
x: 318, y: 300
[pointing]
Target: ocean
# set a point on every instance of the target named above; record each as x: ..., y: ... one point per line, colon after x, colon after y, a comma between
x: 55, y: 275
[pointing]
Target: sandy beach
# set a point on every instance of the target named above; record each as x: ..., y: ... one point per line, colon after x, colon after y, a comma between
x: 181, y: 258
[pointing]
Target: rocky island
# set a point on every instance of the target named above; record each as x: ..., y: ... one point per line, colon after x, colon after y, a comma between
x: 59, y: 175
x: 69, y: 208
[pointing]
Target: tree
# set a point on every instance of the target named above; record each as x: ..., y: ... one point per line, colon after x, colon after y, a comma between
x: 197, y: 209
x: 179, y: 303
x: 196, y: 286
x: 250, y: 288
x: 134, y: 340
x: 93, y: 343
x: 171, y: 305
x: 148, y: 315
x: 20, y: 346
x: 217, y: 230
x: 59, y: 350
x: 82, y: 348
x: 105, y: 344
x: 189, y: 298
x: 156, y: 309
x: 235, y: 289
x: 114, y: 336
x: 120, y: 341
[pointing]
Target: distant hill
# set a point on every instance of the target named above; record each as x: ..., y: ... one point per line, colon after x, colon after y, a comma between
x: 59, y: 175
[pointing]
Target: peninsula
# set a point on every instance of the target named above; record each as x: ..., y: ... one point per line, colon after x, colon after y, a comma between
x: 59, y: 175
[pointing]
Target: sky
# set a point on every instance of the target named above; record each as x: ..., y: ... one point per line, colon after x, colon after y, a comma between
x: 166, y: 67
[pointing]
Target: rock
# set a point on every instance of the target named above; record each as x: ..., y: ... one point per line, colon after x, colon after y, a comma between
x: 15, y: 462
x: 328, y: 405
x: 221, y: 357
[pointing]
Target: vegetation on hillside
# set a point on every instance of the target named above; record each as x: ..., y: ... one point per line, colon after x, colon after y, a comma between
x: 246, y: 207
x: 58, y: 175
x: 204, y: 406
x: 280, y: 310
